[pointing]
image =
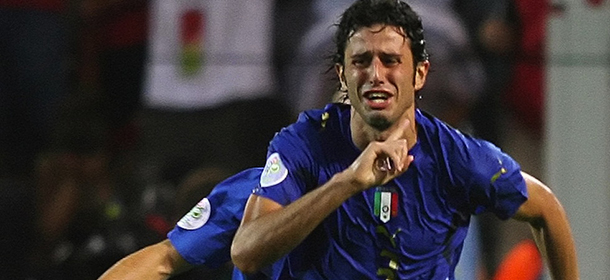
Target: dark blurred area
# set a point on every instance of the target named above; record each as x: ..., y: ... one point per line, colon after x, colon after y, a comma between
x: 91, y: 169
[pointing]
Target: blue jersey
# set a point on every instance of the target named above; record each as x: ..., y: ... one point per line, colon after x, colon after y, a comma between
x: 410, y: 228
x: 204, y: 235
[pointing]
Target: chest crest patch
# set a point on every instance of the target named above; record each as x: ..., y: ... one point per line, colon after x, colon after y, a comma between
x: 386, y: 203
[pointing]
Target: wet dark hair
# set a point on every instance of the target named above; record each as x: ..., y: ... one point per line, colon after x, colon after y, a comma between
x: 365, y: 13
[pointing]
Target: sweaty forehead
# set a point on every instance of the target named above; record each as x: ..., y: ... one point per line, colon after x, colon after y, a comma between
x: 377, y: 38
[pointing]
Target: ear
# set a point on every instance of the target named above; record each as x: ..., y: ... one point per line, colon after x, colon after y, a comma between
x: 341, y: 75
x: 421, y: 72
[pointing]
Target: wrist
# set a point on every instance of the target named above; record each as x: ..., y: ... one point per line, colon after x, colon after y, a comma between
x: 348, y: 182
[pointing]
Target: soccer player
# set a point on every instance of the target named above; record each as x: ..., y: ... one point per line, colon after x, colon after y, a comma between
x: 379, y: 189
x: 202, y: 237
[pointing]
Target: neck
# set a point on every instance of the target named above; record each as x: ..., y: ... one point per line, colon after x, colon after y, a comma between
x: 363, y: 133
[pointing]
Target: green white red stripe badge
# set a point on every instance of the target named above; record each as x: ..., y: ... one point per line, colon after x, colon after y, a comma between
x: 386, y: 203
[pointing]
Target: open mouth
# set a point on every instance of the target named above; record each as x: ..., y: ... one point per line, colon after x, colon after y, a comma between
x: 377, y: 99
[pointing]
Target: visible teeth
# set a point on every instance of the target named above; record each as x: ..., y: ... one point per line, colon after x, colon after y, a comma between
x: 377, y: 95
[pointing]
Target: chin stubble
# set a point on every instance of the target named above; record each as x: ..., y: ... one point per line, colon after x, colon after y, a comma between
x: 379, y: 123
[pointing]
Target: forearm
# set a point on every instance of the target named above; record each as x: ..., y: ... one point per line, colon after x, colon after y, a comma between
x: 262, y: 240
x: 554, y: 239
x: 551, y: 229
x: 158, y: 261
x: 269, y: 231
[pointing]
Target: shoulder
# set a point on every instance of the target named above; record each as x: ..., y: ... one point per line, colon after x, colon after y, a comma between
x: 203, y: 236
x: 319, y: 119
x: 449, y: 140
x: 312, y: 125
x: 226, y: 200
x: 237, y: 187
x: 461, y: 155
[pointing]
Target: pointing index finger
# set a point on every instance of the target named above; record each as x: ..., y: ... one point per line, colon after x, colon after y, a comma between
x: 386, y: 163
x: 400, y: 130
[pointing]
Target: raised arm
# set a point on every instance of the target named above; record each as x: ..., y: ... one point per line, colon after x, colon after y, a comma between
x: 158, y: 261
x: 268, y: 231
x: 551, y: 229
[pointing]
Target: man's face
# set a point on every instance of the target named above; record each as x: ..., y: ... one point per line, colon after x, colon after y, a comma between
x: 379, y: 75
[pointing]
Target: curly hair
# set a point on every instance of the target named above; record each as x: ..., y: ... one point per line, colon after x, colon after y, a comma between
x: 365, y: 13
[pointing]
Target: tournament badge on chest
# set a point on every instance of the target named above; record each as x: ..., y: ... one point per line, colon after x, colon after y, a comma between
x: 386, y: 203
x: 197, y: 217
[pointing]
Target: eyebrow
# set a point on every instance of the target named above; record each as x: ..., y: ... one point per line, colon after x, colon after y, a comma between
x: 368, y: 53
x: 362, y: 54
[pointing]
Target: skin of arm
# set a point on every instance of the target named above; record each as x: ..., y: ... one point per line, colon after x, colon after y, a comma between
x: 155, y: 262
x: 275, y: 230
x: 550, y: 228
x: 268, y: 231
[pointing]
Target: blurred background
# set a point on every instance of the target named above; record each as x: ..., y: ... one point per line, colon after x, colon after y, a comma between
x: 117, y: 116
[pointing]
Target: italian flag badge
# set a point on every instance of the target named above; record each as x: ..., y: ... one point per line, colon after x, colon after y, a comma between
x: 386, y: 203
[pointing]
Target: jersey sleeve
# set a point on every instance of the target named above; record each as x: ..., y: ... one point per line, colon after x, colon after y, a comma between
x: 289, y: 170
x: 204, y: 235
x: 491, y: 179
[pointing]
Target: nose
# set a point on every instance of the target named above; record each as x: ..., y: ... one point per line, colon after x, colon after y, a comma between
x: 376, y: 72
